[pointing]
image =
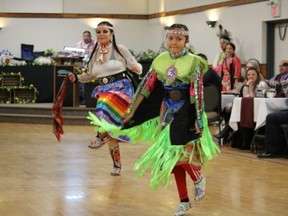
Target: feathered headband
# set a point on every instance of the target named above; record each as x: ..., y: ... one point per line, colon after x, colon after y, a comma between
x: 224, y: 35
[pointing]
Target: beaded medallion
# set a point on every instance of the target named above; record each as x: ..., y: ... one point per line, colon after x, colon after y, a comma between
x: 171, y: 73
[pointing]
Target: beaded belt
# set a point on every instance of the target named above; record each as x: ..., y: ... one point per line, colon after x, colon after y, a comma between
x: 177, y: 95
x: 111, y: 78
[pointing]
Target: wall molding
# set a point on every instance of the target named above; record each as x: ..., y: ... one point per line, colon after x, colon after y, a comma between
x: 131, y: 16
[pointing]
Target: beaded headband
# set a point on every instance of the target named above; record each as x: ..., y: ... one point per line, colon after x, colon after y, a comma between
x: 109, y: 27
x: 179, y: 32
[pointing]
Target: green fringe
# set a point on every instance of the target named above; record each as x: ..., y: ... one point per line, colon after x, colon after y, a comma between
x: 161, y: 156
x: 141, y: 133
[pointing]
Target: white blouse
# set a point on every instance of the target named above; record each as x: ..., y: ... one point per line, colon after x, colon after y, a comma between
x: 110, y: 65
x: 262, y: 87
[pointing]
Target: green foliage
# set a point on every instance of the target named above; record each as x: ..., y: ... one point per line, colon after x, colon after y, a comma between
x: 49, y: 52
x: 148, y: 55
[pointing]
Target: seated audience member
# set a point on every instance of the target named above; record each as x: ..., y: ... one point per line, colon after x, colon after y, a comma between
x: 252, y: 62
x: 281, y: 77
x: 283, y: 71
x: 226, y: 112
x: 211, y: 77
x: 244, y: 137
x: 250, y: 90
x: 254, y: 83
x: 275, y: 143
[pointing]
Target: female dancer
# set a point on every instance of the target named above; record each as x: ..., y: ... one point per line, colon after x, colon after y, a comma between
x: 114, y: 91
x: 180, y: 138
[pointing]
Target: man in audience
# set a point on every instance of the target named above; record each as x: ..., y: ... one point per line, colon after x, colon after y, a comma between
x: 275, y: 142
x: 283, y: 69
x: 281, y: 77
x: 87, y: 43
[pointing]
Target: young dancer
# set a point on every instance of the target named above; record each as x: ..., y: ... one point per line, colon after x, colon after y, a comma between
x: 179, y: 136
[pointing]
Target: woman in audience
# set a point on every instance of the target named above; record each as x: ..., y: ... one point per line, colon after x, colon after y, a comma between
x: 252, y: 88
x: 254, y: 83
x: 251, y: 63
x: 231, y: 69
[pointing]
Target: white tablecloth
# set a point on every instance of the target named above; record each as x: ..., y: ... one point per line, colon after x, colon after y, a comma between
x: 262, y: 107
x: 226, y: 99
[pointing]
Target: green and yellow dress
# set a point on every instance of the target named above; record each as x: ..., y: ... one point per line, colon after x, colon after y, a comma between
x: 175, y: 86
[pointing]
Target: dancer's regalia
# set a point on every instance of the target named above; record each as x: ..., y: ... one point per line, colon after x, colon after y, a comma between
x: 175, y: 86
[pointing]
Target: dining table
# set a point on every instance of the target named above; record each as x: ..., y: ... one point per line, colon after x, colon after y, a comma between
x: 262, y: 107
x: 227, y: 99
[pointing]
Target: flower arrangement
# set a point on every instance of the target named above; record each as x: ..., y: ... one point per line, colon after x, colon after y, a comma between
x: 49, y: 52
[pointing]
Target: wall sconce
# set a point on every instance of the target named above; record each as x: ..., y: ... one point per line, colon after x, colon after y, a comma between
x: 211, y: 24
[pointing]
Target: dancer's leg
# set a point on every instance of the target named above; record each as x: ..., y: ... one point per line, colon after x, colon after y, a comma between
x: 198, y: 179
x: 100, y: 140
x: 180, y: 179
x: 115, y: 155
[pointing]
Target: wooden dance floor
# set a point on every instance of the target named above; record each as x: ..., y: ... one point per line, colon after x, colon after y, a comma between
x: 41, y: 177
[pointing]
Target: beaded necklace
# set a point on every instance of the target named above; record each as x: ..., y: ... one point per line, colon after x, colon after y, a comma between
x: 103, y: 50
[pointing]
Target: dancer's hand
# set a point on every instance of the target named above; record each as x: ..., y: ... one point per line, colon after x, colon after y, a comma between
x: 135, y: 68
x: 198, y: 131
x: 71, y: 77
x: 127, y: 117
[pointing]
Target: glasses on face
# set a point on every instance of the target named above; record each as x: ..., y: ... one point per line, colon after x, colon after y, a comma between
x: 103, y: 31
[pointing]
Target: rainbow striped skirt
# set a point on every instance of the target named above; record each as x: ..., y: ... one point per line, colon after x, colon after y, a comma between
x: 113, y: 100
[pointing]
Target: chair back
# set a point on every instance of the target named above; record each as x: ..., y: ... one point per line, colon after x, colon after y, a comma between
x: 212, y: 104
x: 212, y: 98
